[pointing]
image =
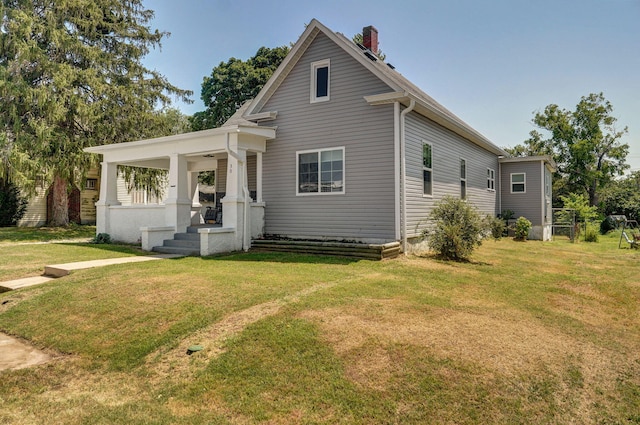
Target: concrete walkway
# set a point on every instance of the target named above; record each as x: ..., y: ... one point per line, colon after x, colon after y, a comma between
x: 15, y: 354
x: 59, y: 270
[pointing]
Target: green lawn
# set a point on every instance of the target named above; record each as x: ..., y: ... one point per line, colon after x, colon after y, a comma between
x: 545, y: 333
x: 45, y: 234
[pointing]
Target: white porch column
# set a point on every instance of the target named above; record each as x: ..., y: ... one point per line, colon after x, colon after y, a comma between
x: 194, y: 190
x: 258, y: 176
x: 178, y: 203
x: 108, y: 196
x: 234, y: 198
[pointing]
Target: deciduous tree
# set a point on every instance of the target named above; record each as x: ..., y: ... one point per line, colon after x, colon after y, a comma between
x: 232, y: 83
x: 584, y: 143
x: 71, y: 76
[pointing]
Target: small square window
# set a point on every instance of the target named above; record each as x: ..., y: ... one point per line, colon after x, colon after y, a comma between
x: 91, y: 184
x: 518, y: 183
x: 320, y: 81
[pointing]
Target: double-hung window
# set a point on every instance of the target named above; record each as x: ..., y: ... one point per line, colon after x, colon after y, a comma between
x: 320, y: 171
x: 491, y: 179
x: 463, y: 179
x: 320, y: 81
x: 427, y: 170
x: 518, y: 182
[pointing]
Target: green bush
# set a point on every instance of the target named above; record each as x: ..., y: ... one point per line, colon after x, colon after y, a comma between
x: 607, y: 225
x: 12, y: 204
x: 591, y: 233
x: 522, y: 228
x: 496, y: 226
x: 458, y: 229
x: 102, y: 238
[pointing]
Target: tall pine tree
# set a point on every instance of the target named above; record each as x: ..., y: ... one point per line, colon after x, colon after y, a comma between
x: 71, y: 76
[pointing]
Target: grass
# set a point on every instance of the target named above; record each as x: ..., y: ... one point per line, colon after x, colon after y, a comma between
x: 524, y: 333
x: 45, y: 234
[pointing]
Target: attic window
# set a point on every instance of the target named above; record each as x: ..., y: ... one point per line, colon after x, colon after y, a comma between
x: 320, y: 81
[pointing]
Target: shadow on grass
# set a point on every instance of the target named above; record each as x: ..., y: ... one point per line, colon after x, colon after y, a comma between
x: 452, y: 261
x: 127, y: 249
x: 283, y: 257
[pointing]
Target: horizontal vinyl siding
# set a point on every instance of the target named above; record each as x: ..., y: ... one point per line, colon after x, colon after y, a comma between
x: 528, y: 204
x: 36, y: 212
x: 366, y: 210
x: 221, y: 176
x: 447, y: 150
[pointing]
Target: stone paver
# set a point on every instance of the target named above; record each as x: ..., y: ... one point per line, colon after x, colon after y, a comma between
x: 23, y: 283
x: 59, y: 270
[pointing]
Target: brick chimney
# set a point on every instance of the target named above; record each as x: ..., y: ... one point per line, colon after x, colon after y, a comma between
x: 370, y: 38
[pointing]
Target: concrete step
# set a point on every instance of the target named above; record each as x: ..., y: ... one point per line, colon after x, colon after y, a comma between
x: 176, y: 250
x: 187, y: 237
x: 182, y: 243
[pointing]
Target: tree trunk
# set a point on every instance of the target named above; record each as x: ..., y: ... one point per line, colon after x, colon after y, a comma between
x: 592, y: 193
x: 60, y: 203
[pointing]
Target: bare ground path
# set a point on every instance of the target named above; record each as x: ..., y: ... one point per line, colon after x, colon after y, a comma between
x: 176, y: 362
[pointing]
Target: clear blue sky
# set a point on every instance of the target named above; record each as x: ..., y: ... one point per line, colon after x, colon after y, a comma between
x: 493, y: 63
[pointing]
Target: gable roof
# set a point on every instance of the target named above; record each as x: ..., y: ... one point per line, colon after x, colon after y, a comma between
x: 402, y: 90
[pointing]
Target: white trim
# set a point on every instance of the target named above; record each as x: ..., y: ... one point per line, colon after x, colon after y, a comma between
x: 423, y: 168
x: 462, y: 179
x: 491, y: 178
x: 524, y: 182
x: 325, y: 63
x: 319, y: 151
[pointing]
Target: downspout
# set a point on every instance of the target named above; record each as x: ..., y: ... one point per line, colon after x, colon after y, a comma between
x: 499, y: 188
x: 403, y: 155
x: 396, y: 170
x: 245, y: 191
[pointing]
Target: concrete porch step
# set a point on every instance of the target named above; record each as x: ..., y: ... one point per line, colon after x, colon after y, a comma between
x: 182, y: 243
x: 187, y: 237
x: 176, y: 250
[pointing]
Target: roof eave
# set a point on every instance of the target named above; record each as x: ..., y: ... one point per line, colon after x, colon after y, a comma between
x: 437, y: 116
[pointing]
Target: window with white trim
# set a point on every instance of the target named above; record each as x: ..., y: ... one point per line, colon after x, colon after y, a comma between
x: 463, y: 179
x: 491, y: 179
x: 320, y: 171
x: 91, y: 184
x: 427, y: 170
x: 320, y: 81
x: 518, y: 182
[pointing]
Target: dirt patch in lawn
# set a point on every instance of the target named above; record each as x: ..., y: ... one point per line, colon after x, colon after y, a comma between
x: 18, y: 354
x: 508, y: 347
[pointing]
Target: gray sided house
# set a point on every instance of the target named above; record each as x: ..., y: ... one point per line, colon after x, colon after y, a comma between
x: 526, y: 189
x: 337, y: 146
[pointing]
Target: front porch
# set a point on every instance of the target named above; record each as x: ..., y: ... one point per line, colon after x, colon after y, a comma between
x: 184, y: 156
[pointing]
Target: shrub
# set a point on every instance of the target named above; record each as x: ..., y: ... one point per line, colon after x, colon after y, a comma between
x: 522, y: 228
x: 607, y: 225
x: 458, y: 229
x: 496, y: 226
x: 12, y: 204
x: 591, y: 233
x: 102, y: 238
